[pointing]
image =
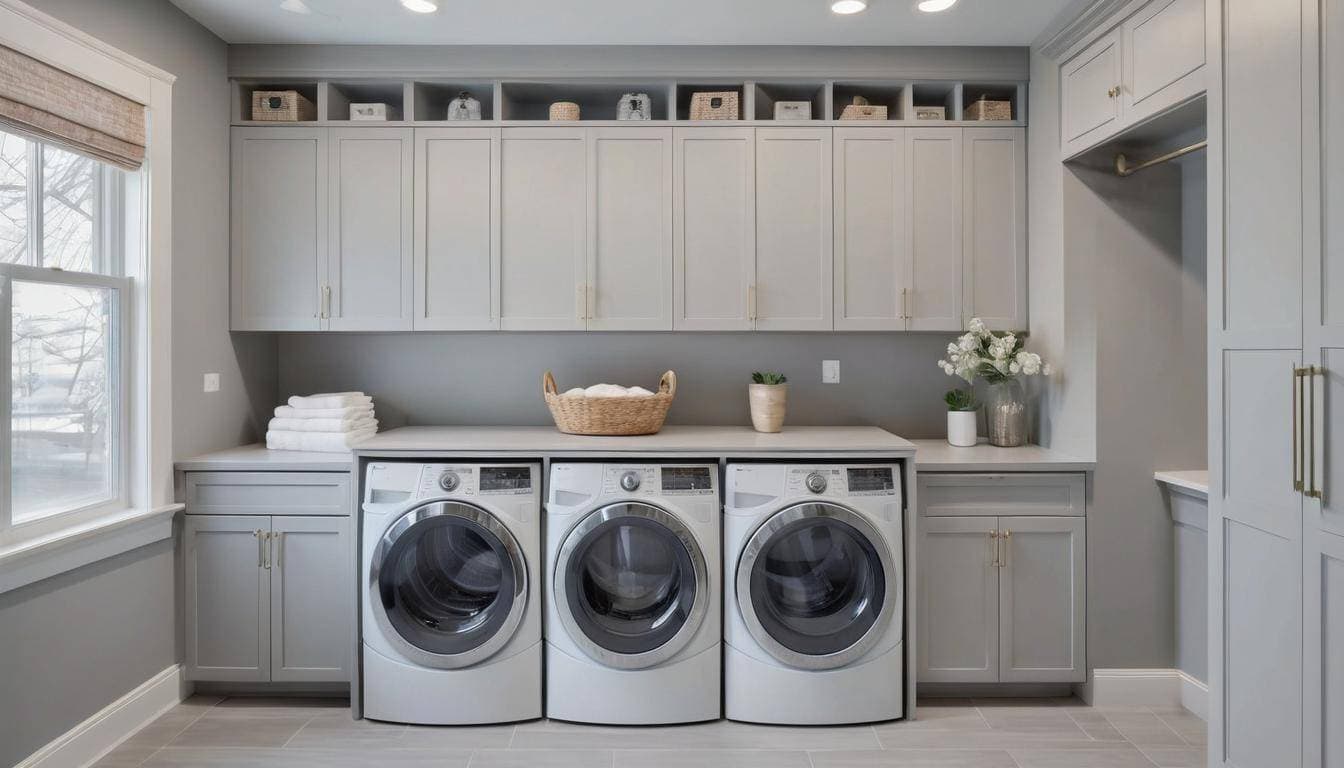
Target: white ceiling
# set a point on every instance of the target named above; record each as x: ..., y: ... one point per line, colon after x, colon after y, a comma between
x: 626, y: 22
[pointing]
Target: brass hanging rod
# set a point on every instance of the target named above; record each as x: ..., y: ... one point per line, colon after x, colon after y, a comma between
x: 1123, y: 168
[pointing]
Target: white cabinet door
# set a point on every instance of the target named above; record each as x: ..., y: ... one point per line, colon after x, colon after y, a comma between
x: 369, y: 264
x: 714, y: 228
x: 793, y: 229
x: 630, y: 229
x: 958, y: 600
x: 1163, y: 57
x: 278, y: 240
x: 227, y: 585
x: 543, y: 229
x: 456, y: 229
x: 311, y: 600
x: 994, y: 216
x: 1090, y: 85
x: 933, y: 191
x: 1042, y: 600
x: 1326, y: 728
x: 872, y: 265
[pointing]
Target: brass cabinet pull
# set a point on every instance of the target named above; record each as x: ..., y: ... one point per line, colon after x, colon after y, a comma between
x: 326, y: 302
x: 1007, y: 548
x: 1297, y: 431
x: 277, y: 546
x: 1313, y: 490
x: 994, y: 547
x: 261, y: 557
x: 751, y: 302
x: 266, y: 547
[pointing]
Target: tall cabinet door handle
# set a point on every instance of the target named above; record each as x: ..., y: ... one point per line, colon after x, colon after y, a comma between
x: 1315, y: 429
x: 277, y: 547
x: 261, y: 555
x: 1299, y: 455
x: 1007, y: 548
x: 266, y: 548
x: 994, y: 548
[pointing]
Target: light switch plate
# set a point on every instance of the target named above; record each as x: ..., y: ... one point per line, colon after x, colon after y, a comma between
x: 830, y: 371
x: 211, y: 382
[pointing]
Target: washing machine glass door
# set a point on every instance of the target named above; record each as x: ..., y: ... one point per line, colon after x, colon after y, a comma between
x: 816, y: 586
x: 448, y: 584
x: 631, y: 585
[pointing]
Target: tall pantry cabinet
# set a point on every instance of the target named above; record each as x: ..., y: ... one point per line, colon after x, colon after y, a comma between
x: 1276, y: 339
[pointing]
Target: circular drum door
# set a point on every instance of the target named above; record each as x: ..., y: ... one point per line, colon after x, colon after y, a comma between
x: 631, y: 585
x: 448, y: 584
x: 816, y: 586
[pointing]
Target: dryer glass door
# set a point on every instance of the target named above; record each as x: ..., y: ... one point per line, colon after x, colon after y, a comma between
x: 448, y: 584
x: 631, y: 585
x: 816, y: 586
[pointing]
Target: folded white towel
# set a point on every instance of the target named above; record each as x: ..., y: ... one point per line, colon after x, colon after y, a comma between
x: 353, y: 412
x: 330, y: 400
x: 322, y: 442
x: 323, y: 425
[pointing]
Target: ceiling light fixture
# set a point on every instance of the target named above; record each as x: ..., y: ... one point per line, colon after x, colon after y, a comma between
x: 847, y: 7
x: 934, y: 6
x: 295, y: 6
x: 420, y: 6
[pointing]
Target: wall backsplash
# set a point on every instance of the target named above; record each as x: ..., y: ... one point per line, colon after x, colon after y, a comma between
x: 886, y: 379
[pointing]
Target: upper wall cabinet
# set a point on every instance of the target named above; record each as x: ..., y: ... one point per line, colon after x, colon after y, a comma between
x: 933, y: 187
x: 994, y: 226
x: 872, y: 259
x: 793, y: 230
x: 1153, y: 61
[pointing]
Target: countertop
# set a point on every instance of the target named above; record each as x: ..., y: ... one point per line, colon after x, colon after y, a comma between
x: 938, y: 455
x: 1193, y: 480
x: 256, y: 458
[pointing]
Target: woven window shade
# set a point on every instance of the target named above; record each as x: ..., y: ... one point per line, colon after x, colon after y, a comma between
x: 55, y: 106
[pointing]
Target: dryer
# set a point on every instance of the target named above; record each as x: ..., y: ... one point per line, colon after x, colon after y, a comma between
x: 633, y: 630
x: 451, y: 630
x: 814, y: 596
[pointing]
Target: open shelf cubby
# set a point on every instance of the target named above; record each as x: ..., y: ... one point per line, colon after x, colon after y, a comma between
x: 431, y: 98
x: 971, y: 92
x: 768, y: 94
x: 340, y: 95
x: 686, y: 90
x: 889, y: 95
x: 935, y: 95
x: 242, y: 93
x: 596, y: 100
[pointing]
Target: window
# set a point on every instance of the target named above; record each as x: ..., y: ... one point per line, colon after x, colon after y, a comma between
x: 62, y: 302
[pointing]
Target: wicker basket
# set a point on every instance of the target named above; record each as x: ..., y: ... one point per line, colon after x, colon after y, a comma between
x: 564, y: 111
x: 582, y: 415
x: 282, y: 106
x: 862, y: 110
x: 985, y: 108
x: 714, y: 105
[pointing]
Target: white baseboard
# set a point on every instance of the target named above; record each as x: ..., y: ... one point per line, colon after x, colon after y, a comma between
x: 113, y: 724
x: 1195, y: 696
x: 1145, y: 688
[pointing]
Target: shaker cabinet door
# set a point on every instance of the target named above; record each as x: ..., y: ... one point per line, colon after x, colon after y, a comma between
x: 958, y: 600
x: 227, y: 585
x: 933, y: 192
x: 793, y: 230
x: 311, y: 600
x: 1090, y: 86
x: 872, y: 264
x: 1042, y: 596
x: 1163, y: 57
x: 994, y: 225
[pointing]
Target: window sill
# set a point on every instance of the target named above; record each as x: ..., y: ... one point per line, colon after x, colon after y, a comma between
x: 31, y: 560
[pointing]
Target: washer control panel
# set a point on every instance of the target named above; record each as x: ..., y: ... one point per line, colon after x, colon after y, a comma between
x: 842, y: 481
x: 466, y: 480
x: 655, y: 480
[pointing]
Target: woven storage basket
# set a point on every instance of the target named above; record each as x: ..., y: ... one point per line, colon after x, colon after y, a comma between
x: 714, y: 105
x: 564, y: 111
x: 582, y: 415
x: 985, y: 108
x: 282, y: 106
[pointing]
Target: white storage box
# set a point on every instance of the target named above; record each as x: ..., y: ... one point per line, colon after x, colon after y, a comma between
x: 793, y: 110
x: 374, y: 111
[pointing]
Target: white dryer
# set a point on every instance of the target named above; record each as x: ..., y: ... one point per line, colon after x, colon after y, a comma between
x: 633, y: 630
x: 814, y: 598
x: 451, y: 631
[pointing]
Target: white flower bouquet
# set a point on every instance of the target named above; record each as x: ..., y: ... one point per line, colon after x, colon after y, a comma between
x: 1001, y: 360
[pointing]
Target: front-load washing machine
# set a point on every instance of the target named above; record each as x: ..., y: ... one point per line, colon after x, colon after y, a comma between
x: 451, y: 631
x: 633, y: 631
x: 813, y: 604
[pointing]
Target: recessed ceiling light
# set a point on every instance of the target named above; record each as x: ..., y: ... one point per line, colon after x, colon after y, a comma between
x: 420, y: 6
x: 295, y: 6
x: 934, y: 6
x: 846, y: 7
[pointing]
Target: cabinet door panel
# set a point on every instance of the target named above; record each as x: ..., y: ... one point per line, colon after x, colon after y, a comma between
x: 630, y: 246
x: 228, y: 625
x: 312, y: 610
x: 714, y: 228
x: 1331, y: 638
x: 1090, y: 111
x: 370, y: 266
x: 793, y: 229
x: 1164, y: 49
x: 934, y: 159
x: 872, y: 266
x: 543, y: 228
x: 958, y: 600
x: 1042, y: 597
x: 278, y: 228
x: 456, y: 229
x: 994, y: 187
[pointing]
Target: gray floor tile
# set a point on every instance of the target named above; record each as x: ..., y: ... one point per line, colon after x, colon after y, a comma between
x: 937, y: 717
x: 535, y: 758
x: 1177, y: 757
x: 1185, y: 723
x: 337, y: 731
x: 1017, y: 701
x: 716, y: 735
x: 712, y: 758
x: 1095, y: 725
x: 896, y: 738
x: 1046, y: 722
x: 274, y: 731
x: 263, y: 706
x: 1126, y: 757
x: 189, y: 757
x: 1143, y: 728
x: 914, y: 758
x: 457, y: 736
x: 126, y: 755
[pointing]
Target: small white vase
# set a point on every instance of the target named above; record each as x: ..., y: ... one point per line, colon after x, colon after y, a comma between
x: 961, y: 428
x: 768, y: 402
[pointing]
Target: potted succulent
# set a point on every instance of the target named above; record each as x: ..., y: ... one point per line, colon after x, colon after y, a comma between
x: 963, y: 416
x: 1001, y: 360
x: 768, y: 394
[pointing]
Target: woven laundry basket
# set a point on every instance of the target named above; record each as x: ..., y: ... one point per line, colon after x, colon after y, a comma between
x: 583, y: 415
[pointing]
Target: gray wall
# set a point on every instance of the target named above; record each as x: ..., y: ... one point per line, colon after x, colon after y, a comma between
x: 886, y: 379
x: 74, y: 643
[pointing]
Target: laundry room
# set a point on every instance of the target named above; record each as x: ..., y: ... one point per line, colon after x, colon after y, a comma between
x: 800, y: 383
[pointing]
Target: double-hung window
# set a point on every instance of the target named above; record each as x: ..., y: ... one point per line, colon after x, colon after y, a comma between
x: 65, y: 309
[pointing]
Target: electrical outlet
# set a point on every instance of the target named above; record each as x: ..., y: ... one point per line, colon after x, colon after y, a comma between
x: 830, y: 371
x: 211, y: 382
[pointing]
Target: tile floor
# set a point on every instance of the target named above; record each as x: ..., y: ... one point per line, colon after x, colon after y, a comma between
x: 951, y: 733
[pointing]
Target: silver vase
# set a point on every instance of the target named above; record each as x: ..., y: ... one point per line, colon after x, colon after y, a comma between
x: 1006, y: 414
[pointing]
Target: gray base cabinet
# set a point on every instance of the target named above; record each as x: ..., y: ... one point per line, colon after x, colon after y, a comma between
x: 1002, y: 596
x: 269, y: 597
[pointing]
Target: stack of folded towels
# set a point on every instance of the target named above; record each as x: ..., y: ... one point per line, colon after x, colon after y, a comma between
x: 330, y: 422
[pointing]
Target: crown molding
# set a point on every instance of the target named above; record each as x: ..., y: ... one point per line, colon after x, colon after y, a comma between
x: 1074, y: 23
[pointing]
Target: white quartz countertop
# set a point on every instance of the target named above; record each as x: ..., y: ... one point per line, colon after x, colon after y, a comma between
x: 1194, y: 480
x: 256, y: 458
x: 938, y: 455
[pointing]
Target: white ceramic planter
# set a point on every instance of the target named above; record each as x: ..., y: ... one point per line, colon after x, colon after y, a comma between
x: 768, y: 402
x: 961, y: 428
